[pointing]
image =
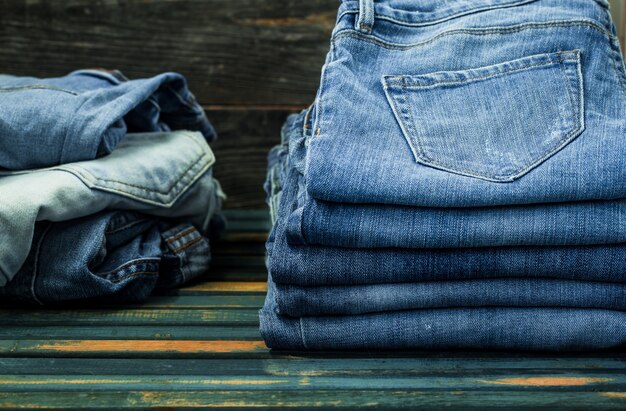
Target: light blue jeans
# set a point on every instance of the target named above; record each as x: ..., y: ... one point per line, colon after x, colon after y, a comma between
x: 166, y: 174
x: 327, y: 265
x: 85, y: 114
x: 468, y: 104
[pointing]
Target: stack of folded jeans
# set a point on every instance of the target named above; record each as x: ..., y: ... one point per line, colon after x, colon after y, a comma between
x: 459, y: 182
x: 106, y: 187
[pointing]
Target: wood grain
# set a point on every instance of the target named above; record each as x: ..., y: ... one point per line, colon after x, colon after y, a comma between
x: 242, y: 53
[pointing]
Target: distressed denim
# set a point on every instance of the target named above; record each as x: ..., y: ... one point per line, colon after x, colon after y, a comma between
x: 376, y: 225
x: 85, y: 114
x: 469, y: 104
x: 298, y: 301
x: 113, y: 257
x: 507, y: 328
x: 165, y: 174
x: 325, y: 265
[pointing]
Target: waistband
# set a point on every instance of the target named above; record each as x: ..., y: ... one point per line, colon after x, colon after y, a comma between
x: 423, y: 12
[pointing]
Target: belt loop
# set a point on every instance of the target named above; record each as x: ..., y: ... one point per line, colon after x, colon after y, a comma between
x: 365, y: 22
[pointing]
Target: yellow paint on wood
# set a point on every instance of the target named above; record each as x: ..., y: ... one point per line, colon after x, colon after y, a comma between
x: 193, y: 346
x: 126, y: 381
x: 547, y: 381
x: 325, y: 20
x: 229, y: 286
x: 613, y: 394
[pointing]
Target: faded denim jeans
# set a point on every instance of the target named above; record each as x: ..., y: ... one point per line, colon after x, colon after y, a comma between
x: 507, y: 328
x: 85, y: 114
x: 165, y: 174
x: 470, y: 103
x: 440, y: 123
x: 109, y: 257
x: 377, y: 225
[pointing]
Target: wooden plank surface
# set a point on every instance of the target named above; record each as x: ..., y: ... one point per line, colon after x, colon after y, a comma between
x: 199, y: 347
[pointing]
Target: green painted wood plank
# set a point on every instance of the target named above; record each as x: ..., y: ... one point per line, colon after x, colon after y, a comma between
x: 224, y: 287
x: 241, y: 261
x: 133, y: 348
x: 259, y: 214
x: 133, y: 332
x: 379, y: 399
x: 223, y: 274
x: 441, y: 364
x: 116, y: 317
x: 571, y: 382
x: 221, y: 299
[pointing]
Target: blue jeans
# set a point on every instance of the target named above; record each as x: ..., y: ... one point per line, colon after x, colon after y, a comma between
x: 115, y: 257
x: 298, y: 301
x: 507, y: 328
x: 479, y: 103
x: 85, y: 114
x: 166, y: 174
x: 376, y: 225
x: 325, y: 265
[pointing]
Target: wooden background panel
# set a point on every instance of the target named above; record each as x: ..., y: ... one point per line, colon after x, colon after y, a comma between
x: 233, y: 52
x: 244, y: 139
x: 249, y: 62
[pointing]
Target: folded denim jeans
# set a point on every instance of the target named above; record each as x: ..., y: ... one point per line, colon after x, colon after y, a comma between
x: 298, y: 301
x: 165, y: 174
x: 469, y: 104
x: 506, y: 328
x: 376, y: 225
x: 324, y: 265
x: 85, y: 114
x: 114, y: 257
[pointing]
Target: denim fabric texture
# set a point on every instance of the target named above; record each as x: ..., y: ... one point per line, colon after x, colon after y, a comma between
x: 510, y: 328
x: 85, y: 114
x: 525, y: 101
x: 112, y: 257
x: 165, y: 174
x: 325, y: 265
x: 375, y: 225
x: 457, y: 183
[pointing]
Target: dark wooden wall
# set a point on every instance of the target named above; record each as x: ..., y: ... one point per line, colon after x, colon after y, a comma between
x: 249, y: 62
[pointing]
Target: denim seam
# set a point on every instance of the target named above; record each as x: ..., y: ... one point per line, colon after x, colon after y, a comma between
x: 455, y: 15
x: 130, y: 263
x: 191, y: 176
x: 182, y: 100
x: 190, y: 243
x: 170, y: 240
x: 419, y: 153
x: 304, y: 344
x: 85, y: 174
x: 36, y: 264
x: 618, y: 62
x: 485, y: 77
x: 317, y: 126
x: 127, y: 226
x: 36, y: 87
x: 471, y: 31
x: 130, y: 275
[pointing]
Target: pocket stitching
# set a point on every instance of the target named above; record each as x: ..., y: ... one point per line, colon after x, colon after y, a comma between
x: 495, y: 74
x: 577, y: 126
x: 190, y: 175
x: 36, y: 87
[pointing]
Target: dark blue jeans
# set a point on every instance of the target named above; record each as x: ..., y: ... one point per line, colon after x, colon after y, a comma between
x: 113, y: 257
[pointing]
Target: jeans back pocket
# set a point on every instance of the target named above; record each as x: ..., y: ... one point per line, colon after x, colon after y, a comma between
x: 496, y: 122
